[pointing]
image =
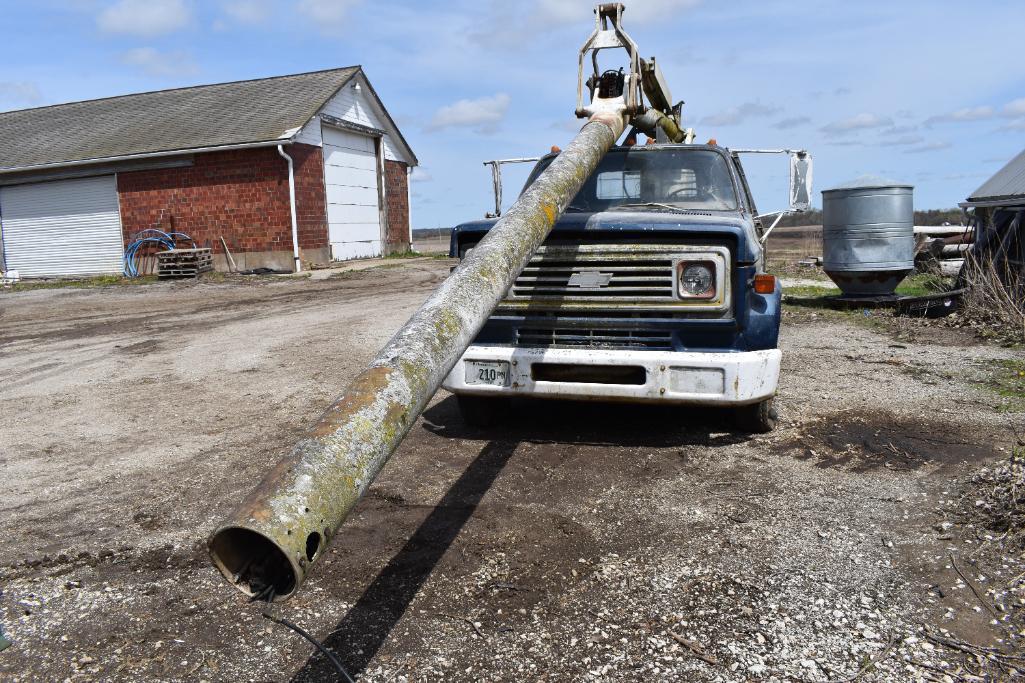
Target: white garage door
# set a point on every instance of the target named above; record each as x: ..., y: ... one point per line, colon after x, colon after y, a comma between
x: 350, y: 179
x: 62, y: 228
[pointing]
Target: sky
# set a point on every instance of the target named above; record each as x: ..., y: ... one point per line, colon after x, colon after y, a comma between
x: 922, y: 92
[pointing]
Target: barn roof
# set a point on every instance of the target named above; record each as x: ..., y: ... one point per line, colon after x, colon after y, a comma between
x: 240, y: 113
x: 1006, y: 186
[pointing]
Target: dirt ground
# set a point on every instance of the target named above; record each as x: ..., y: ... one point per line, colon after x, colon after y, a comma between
x: 576, y: 542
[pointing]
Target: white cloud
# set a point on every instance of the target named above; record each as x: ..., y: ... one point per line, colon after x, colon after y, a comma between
x: 20, y: 93
x: 971, y: 114
x: 902, y: 141
x: 160, y: 64
x: 738, y: 114
x: 482, y: 114
x: 857, y: 122
x: 967, y: 114
x: 898, y: 130
x: 927, y: 147
x: 247, y: 11
x: 792, y: 122
x: 1018, y: 124
x: 144, y: 17
x: 420, y: 175
x: 328, y: 14
x: 1014, y: 109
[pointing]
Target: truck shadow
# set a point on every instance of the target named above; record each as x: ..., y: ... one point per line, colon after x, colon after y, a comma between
x: 366, y: 626
x: 593, y: 424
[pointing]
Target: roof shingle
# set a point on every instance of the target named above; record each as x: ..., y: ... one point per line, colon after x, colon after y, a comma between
x: 236, y: 113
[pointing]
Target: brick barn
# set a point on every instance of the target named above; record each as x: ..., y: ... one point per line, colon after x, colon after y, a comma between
x: 308, y: 167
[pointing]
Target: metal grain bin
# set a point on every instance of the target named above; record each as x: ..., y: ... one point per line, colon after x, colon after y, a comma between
x: 868, y: 236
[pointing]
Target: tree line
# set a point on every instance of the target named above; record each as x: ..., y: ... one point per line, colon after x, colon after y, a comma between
x: 926, y: 217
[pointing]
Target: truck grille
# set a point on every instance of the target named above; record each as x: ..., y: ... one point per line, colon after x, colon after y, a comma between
x: 604, y: 274
x: 608, y: 276
x: 594, y: 338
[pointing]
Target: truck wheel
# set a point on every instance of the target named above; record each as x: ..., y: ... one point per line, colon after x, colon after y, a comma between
x: 482, y: 411
x: 757, y: 418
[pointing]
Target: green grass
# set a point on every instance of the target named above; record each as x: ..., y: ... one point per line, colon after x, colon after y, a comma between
x: 1007, y: 380
x: 83, y: 283
x: 922, y: 285
x: 810, y: 291
x: 412, y: 253
x: 409, y: 253
x: 356, y: 272
x: 914, y: 285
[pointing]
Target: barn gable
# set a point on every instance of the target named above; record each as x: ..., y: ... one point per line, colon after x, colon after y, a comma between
x: 357, y: 106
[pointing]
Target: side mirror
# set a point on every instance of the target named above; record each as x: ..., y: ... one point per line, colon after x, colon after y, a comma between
x: 800, y: 184
x: 800, y: 181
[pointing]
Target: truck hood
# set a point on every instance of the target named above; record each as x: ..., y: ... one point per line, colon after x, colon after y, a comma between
x: 733, y: 224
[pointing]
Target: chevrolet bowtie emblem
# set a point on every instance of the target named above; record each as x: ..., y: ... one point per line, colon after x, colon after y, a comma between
x: 590, y: 279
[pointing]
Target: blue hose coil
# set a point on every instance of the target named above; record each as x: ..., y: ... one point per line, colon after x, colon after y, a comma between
x: 167, y: 240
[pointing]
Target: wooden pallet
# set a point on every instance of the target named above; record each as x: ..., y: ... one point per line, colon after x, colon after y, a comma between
x: 184, y: 262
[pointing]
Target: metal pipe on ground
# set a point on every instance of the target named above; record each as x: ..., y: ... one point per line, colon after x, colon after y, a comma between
x: 270, y: 542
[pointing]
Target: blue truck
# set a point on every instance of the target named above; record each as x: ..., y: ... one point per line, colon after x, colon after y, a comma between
x: 652, y: 287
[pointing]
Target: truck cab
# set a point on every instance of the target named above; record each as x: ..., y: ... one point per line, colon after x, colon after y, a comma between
x: 650, y: 288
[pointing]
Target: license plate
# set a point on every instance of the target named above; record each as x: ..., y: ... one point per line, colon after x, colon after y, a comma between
x: 495, y: 373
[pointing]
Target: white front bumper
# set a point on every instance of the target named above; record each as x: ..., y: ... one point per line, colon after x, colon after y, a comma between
x: 739, y: 378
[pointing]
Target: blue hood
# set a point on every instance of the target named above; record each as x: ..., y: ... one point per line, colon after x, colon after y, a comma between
x: 733, y: 225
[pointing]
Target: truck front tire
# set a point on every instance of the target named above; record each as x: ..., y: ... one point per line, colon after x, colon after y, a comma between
x: 757, y: 418
x: 482, y: 411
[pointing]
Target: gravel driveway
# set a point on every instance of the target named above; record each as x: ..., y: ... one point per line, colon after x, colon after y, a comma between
x: 576, y: 542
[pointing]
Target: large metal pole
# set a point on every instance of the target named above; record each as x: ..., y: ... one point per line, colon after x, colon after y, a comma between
x: 283, y: 526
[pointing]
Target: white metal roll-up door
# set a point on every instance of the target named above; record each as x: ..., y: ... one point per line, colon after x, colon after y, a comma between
x: 62, y: 228
x: 351, y: 185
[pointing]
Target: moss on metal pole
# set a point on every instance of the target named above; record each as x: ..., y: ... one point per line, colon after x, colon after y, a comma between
x: 270, y: 542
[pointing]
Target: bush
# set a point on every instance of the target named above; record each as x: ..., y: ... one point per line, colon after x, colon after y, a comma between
x: 993, y: 298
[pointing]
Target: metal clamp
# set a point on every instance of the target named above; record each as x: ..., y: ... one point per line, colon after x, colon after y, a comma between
x: 608, y: 33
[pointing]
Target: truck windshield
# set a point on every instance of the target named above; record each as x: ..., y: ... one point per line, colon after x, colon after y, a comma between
x: 650, y: 177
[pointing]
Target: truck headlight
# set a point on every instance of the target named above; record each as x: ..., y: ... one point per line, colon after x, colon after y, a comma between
x: 697, y: 279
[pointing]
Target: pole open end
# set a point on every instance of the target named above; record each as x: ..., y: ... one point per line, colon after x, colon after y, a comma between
x: 254, y: 564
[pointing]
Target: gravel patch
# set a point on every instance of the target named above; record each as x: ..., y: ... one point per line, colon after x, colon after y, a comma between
x: 574, y: 542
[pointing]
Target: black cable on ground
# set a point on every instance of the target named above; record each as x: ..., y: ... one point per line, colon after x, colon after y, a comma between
x: 269, y: 593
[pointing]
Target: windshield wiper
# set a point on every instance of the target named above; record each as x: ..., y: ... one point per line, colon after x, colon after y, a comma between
x: 577, y: 208
x: 651, y: 204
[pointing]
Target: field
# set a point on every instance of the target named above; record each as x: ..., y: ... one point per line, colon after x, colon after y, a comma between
x: 575, y: 542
